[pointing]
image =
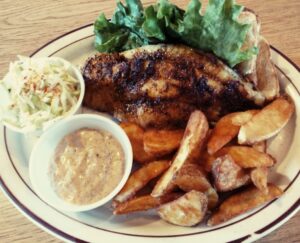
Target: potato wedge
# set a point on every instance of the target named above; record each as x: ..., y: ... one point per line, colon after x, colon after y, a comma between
x: 248, y: 68
x: 242, y: 202
x: 140, y: 178
x: 259, y: 177
x: 268, y: 122
x: 187, y: 210
x: 240, y: 118
x: 212, y: 197
x: 227, y: 128
x: 190, y: 148
x: 162, y: 142
x: 260, y: 146
x: 143, y: 203
x: 267, y: 79
x: 228, y: 175
x: 223, y: 132
x: 136, y: 135
x: 191, y: 177
x: 207, y: 160
x: 247, y: 157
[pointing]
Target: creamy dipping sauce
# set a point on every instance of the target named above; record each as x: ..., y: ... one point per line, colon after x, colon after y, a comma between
x: 88, y: 165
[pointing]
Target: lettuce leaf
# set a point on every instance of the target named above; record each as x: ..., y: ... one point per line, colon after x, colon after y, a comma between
x: 152, y: 26
x: 217, y: 31
x: 124, y: 31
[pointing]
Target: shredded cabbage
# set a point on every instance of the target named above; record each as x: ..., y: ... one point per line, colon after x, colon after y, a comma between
x: 36, y: 91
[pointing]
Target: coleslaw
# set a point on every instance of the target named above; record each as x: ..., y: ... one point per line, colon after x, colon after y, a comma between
x: 36, y: 91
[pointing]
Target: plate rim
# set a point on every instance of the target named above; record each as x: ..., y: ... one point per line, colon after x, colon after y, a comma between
x: 64, y: 236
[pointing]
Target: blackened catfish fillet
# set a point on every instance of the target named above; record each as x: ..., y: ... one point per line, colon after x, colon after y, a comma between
x: 160, y: 85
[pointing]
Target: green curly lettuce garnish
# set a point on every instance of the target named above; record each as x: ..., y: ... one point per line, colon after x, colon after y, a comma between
x: 217, y: 31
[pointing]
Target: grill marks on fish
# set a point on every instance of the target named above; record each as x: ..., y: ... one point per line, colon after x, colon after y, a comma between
x: 161, y: 85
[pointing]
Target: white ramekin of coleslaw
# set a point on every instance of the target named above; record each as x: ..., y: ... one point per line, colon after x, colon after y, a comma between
x: 36, y: 92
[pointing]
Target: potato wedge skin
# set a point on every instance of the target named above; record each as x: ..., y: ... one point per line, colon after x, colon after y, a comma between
x: 240, y: 118
x: 206, y: 160
x: 212, y: 197
x: 268, y: 122
x: 228, y: 175
x: 136, y: 135
x: 267, y: 79
x: 260, y: 146
x: 140, y: 178
x: 248, y: 157
x: 259, y: 177
x: 227, y: 128
x: 162, y: 142
x: 188, y: 210
x: 189, y: 150
x: 242, y: 202
x: 223, y: 132
x: 143, y: 203
x: 191, y: 177
x: 248, y: 68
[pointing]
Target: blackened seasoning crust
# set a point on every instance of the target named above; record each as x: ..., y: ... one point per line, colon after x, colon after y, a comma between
x: 160, y: 85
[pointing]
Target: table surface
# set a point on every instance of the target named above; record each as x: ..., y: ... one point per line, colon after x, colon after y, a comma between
x: 27, y: 25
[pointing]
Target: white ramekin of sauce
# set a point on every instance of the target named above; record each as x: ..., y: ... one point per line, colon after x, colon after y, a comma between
x: 80, y: 163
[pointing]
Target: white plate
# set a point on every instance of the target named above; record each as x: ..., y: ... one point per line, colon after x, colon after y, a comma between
x: 100, y: 225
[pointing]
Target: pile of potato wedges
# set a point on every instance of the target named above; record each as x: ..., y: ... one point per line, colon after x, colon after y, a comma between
x: 203, y: 173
